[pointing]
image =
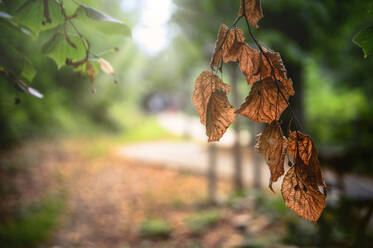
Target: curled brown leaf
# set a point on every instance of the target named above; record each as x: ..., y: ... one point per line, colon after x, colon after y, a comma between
x: 234, y: 42
x: 227, y: 47
x: 220, y: 114
x: 214, y: 109
x: 301, y: 194
x: 271, y: 144
x: 265, y: 103
x: 204, y: 86
x: 253, y: 11
x: 255, y: 66
x: 250, y: 62
x: 277, y: 64
x: 90, y: 71
x: 300, y: 144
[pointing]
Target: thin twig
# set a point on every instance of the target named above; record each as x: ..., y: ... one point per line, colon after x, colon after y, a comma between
x: 273, y: 73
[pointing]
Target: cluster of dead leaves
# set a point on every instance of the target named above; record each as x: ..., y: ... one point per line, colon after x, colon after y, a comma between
x: 303, y: 187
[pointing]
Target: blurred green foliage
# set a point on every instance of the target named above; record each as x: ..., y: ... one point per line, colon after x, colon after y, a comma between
x: 202, y: 221
x: 34, y: 225
x: 155, y: 228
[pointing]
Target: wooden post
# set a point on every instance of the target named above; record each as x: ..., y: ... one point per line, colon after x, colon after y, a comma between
x: 212, y: 174
x: 237, y: 155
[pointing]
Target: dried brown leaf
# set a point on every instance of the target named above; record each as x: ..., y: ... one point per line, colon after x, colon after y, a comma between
x: 301, y: 194
x: 90, y: 71
x: 255, y: 66
x: 218, y: 54
x: 253, y: 11
x: 220, y: 114
x: 204, y: 86
x: 301, y: 144
x: 271, y: 144
x: 233, y: 44
x: 227, y: 47
x: 250, y: 62
x: 105, y: 66
x: 278, y: 65
x: 265, y: 103
x: 315, y: 171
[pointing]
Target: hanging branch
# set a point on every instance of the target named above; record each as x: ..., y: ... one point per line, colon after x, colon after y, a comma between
x: 270, y: 63
x: 303, y: 188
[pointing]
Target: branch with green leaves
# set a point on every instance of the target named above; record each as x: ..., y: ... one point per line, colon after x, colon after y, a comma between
x: 64, y: 22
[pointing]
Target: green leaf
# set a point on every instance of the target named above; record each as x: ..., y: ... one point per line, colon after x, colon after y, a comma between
x: 12, y: 6
x: 31, y: 14
x: 28, y: 71
x: 59, y: 49
x: 15, y: 62
x: 364, y: 39
x: 100, y: 21
x: 70, y: 7
x: 10, y: 59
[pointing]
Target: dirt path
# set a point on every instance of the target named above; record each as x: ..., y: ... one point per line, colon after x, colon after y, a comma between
x: 110, y: 197
x: 193, y: 157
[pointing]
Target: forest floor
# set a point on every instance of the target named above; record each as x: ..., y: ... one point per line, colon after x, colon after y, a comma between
x: 116, y: 202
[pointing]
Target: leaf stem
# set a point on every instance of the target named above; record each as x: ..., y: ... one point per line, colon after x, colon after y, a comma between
x: 46, y: 11
x: 269, y: 62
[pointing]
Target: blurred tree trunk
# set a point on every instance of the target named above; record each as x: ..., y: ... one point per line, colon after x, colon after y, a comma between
x: 212, y: 173
x: 237, y: 156
x: 256, y: 128
x: 296, y: 73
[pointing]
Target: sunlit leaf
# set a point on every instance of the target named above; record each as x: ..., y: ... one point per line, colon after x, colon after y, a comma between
x: 60, y: 50
x: 31, y: 14
x: 100, y: 21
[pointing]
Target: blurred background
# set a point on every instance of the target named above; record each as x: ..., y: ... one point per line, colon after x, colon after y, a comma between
x: 128, y: 164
